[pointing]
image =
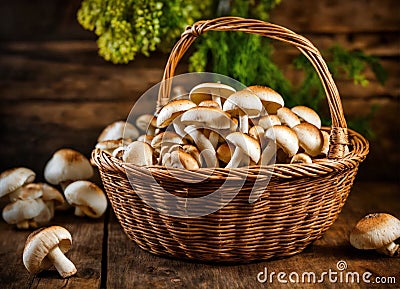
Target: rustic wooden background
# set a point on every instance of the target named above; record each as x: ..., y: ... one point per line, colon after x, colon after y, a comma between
x: 56, y: 92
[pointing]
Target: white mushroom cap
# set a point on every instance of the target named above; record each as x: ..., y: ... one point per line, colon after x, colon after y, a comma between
x: 27, y: 192
x: 243, y: 101
x: 288, y: 117
x: 375, y: 231
x: 285, y: 138
x: 308, y: 115
x: 206, y: 117
x: 67, y: 165
x: 138, y: 153
x: 87, y: 197
x: 51, y: 194
x: 12, y: 179
x: 46, y: 247
x: 171, y: 110
x: 210, y: 90
x: 117, y: 130
x: 310, y: 138
x: 301, y: 158
x: 22, y: 210
x: 268, y: 121
x: 244, y: 144
x: 271, y: 100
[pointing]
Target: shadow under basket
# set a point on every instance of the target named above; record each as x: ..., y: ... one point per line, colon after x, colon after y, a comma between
x: 295, y: 204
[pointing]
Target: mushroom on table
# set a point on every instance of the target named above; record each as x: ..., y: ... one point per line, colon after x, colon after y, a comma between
x: 46, y: 247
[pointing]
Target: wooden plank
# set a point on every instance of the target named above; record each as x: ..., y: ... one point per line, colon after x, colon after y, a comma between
x: 131, y: 267
x: 86, y: 254
x: 338, y: 16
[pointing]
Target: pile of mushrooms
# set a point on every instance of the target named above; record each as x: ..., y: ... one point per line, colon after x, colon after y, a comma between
x: 217, y: 126
x: 33, y: 204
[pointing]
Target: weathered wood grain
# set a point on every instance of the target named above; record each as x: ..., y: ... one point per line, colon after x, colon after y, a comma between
x: 131, y: 267
x: 86, y: 254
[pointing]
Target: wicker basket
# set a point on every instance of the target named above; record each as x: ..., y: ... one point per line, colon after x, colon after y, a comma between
x: 300, y: 202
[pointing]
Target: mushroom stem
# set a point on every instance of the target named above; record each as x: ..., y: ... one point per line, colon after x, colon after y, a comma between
x: 204, y: 145
x: 217, y: 99
x: 244, y: 123
x: 214, y: 137
x: 78, y: 212
x: 236, y: 158
x: 63, y: 265
x: 391, y: 249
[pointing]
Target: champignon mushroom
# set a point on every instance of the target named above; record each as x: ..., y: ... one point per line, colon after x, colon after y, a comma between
x: 270, y: 99
x: 377, y: 231
x: 246, y: 149
x: 224, y: 153
x: 46, y: 247
x: 285, y: 138
x: 307, y: 114
x: 213, y: 119
x: 171, y: 110
x: 30, y: 191
x: 268, y: 121
x: 288, y: 117
x: 138, y: 153
x: 165, y: 139
x: 207, y: 150
x: 66, y: 166
x: 87, y: 198
x: 110, y: 145
x: 52, y: 197
x: 257, y: 132
x: 147, y: 123
x: 211, y: 91
x: 180, y: 159
x: 310, y: 138
x: 12, y: 179
x: 21, y: 212
x: 194, y: 152
x: 117, y: 130
x: 301, y: 158
x: 244, y: 104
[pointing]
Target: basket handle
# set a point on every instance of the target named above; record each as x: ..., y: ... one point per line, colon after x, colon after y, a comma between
x: 338, y: 137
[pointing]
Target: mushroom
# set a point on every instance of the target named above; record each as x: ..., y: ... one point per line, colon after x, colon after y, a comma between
x: 211, y: 91
x: 46, y: 247
x: 165, y: 139
x: 257, y: 132
x: 66, y: 166
x: 87, y: 198
x: 30, y: 191
x: 288, y: 117
x: 244, y: 104
x: 146, y: 138
x: 138, y: 153
x: 180, y: 159
x: 377, y: 231
x: 110, y: 145
x: 325, y: 146
x: 117, y: 130
x: 285, y: 138
x: 52, y: 197
x: 268, y: 121
x: 310, y: 138
x: 21, y: 212
x: 270, y: 99
x: 307, y: 114
x: 207, y: 150
x: 301, y: 158
x: 12, y: 179
x: 224, y: 153
x: 210, y: 103
x: 171, y: 110
x: 213, y: 119
x: 194, y: 152
x: 147, y: 123
x: 246, y: 149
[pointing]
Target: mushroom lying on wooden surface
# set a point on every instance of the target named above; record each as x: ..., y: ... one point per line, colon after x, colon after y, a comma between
x: 12, y: 179
x: 87, y: 198
x: 378, y: 232
x: 46, y: 247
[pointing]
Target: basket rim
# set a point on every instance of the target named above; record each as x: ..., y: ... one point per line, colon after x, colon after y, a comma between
x: 322, y: 166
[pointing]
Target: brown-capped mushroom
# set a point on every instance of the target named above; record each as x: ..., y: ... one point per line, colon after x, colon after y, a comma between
x: 268, y: 121
x: 194, y: 152
x: 288, y: 117
x: 118, y: 130
x: 87, y: 198
x: 46, y: 247
x: 66, y: 166
x: 22, y: 212
x: 301, y: 158
x: 245, y: 105
x: 270, y: 99
x: 224, y: 153
x: 246, y: 149
x: 285, y: 138
x: 377, y: 231
x: 138, y: 153
x: 206, y: 148
x: 171, y: 110
x: 310, y: 138
x: 308, y: 115
x: 12, y: 179
x: 217, y: 92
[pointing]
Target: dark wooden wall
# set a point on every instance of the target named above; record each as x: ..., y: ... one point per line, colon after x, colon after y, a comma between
x: 56, y: 92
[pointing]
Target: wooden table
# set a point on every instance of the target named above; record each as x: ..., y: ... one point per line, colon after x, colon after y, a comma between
x: 106, y: 258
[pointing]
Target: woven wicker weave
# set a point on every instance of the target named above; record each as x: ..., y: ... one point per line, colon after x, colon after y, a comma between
x: 300, y: 202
